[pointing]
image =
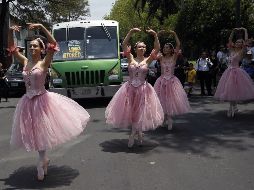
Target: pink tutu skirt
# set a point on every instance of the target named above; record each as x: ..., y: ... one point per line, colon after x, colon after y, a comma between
x: 235, y: 85
x: 47, y: 120
x: 136, y: 107
x: 172, y: 96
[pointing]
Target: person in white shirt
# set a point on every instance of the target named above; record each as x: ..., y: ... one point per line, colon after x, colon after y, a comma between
x: 202, y: 67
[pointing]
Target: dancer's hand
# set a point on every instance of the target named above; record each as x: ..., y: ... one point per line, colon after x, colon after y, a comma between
x: 171, y: 32
x: 15, y: 28
x: 161, y: 32
x: 242, y: 28
x: 33, y: 26
x: 150, y: 31
x: 133, y: 30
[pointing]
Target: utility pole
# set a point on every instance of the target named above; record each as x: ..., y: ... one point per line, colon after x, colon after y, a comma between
x: 4, y: 21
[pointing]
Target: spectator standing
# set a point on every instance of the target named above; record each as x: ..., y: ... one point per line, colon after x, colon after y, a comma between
x: 214, y: 69
x: 181, y: 65
x: 4, y: 89
x: 203, y: 67
x: 191, y: 78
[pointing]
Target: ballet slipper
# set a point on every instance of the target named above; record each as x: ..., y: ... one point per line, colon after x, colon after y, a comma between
x: 229, y: 113
x: 40, y: 171
x: 170, y: 124
x: 140, y: 139
x: 45, y: 166
x: 131, y: 141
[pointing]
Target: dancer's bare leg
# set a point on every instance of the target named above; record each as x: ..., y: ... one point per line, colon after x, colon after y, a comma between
x: 229, y: 113
x: 170, y: 123
x: 42, y: 166
x: 132, y: 137
x: 140, y: 138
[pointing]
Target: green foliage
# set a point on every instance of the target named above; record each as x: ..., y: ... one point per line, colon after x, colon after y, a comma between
x: 49, y: 11
x: 125, y: 13
x: 158, y: 9
x: 205, y: 24
x: 200, y: 24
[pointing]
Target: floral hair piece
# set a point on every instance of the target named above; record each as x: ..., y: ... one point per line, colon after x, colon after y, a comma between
x: 41, y: 42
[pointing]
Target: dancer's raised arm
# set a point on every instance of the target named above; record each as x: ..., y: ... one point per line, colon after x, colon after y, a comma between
x: 230, y: 39
x: 156, y: 46
x: 178, y: 43
x: 12, y: 48
x: 51, y: 47
x: 126, y: 47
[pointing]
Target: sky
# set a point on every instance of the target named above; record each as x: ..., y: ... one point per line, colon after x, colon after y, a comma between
x: 99, y: 8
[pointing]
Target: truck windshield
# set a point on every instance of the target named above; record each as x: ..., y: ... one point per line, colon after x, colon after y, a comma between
x: 97, y: 42
x: 71, y: 44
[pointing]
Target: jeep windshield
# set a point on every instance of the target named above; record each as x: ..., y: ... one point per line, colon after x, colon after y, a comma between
x: 97, y: 42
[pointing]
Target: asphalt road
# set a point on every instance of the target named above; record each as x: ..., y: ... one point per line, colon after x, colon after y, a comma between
x: 205, y: 151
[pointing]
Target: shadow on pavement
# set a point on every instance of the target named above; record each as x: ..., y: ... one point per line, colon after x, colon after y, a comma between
x: 204, y: 133
x: 25, y: 178
x: 93, y: 102
x: 207, y: 133
x: 120, y: 145
x: 4, y: 107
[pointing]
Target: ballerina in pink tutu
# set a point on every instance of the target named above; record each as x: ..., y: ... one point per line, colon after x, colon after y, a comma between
x: 136, y: 104
x: 235, y: 84
x: 170, y: 91
x: 42, y: 119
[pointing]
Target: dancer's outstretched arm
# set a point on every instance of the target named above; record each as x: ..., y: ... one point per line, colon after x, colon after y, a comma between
x: 12, y: 49
x: 156, y: 46
x: 126, y: 47
x: 178, y: 43
x: 52, y: 46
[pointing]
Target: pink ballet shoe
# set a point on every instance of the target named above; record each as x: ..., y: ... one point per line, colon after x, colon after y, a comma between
x: 40, y: 171
x: 45, y: 166
x: 131, y: 141
x: 234, y: 111
x: 165, y: 123
x: 229, y: 113
x: 170, y: 124
x: 140, y: 139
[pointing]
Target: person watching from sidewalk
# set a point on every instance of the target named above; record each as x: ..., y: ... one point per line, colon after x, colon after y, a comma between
x: 202, y: 67
x: 4, y: 88
x: 191, y: 79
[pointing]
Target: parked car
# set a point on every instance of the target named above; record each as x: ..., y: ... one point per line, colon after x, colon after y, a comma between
x: 124, y: 65
x: 15, y: 80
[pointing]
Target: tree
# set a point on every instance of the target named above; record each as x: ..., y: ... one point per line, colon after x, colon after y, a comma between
x: 50, y: 11
x: 212, y: 25
x: 158, y: 9
x: 124, y: 12
x: 46, y: 12
x: 3, y: 28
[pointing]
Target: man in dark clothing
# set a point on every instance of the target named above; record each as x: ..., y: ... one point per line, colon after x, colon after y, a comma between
x: 4, y: 89
x: 202, y: 67
x: 181, y: 65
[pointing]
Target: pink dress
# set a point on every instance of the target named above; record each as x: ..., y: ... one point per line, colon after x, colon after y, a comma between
x: 45, y: 119
x: 135, y: 104
x: 235, y: 84
x: 170, y: 91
